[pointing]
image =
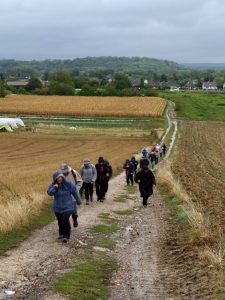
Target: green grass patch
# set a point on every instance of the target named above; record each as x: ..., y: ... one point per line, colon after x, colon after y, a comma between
x: 124, y: 212
x: 107, y: 122
x: 174, y: 201
x: 131, y: 189
x: 89, y: 280
x: 107, y: 242
x: 105, y: 228
x: 198, y: 105
x: 13, y: 238
x: 121, y: 198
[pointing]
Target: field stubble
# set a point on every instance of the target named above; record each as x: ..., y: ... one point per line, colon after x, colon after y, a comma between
x: 200, y: 168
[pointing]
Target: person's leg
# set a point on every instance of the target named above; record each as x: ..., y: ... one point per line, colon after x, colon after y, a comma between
x: 81, y: 190
x: 66, y: 227
x: 106, y: 186
x: 132, y: 179
x: 145, y: 201
x: 86, y: 191
x: 101, y: 190
x: 60, y: 223
x: 153, y: 165
x: 74, y: 217
x: 91, y: 190
x: 128, y: 181
x: 97, y: 185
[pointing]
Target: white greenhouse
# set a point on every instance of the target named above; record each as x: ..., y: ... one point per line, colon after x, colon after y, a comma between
x: 8, y: 124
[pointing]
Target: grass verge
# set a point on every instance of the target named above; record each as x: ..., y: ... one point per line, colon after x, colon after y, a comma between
x: 12, y: 238
x: 187, y: 212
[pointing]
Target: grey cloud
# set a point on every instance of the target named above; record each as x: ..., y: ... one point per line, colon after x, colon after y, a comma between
x: 168, y: 29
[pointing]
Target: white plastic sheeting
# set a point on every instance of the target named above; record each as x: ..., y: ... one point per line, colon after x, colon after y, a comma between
x: 12, y: 122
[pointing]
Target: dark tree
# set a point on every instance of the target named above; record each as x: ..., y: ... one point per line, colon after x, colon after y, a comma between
x: 33, y: 84
x: 121, y: 82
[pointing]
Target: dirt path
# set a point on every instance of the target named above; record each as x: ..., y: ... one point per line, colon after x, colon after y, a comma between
x: 141, y: 272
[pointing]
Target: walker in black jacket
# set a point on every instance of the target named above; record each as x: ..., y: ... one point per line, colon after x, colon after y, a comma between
x: 146, y: 179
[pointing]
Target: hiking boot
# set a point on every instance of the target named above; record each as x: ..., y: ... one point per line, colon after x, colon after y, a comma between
x: 87, y: 202
x: 75, y: 223
x: 65, y: 240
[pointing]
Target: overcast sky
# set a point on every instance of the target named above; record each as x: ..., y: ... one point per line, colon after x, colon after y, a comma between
x: 179, y: 30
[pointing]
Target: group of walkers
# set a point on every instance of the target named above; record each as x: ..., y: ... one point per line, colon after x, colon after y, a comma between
x: 158, y: 151
x: 69, y: 185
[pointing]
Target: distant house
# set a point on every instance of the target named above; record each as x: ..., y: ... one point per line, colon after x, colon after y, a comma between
x: 191, y: 85
x: 109, y: 79
x: 18, y: 84
x: 135, y: 82
x: 174, y: 86
x: 154, y: 84
x: 146, y: 82
x: 209, y: 86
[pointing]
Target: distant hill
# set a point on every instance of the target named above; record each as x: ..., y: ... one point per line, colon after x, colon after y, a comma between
x: 203, y: 66
x: 116, y: 64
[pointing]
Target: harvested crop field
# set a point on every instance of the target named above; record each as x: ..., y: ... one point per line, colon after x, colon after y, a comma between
x: 200, y: 167
x: 84, y: 106
x: 28, y: 161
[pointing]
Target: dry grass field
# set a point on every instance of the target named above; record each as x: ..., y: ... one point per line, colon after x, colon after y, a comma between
x: 29, y: 159
x: 84, y: 106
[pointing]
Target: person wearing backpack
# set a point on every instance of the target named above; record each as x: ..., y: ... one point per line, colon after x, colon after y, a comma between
x: 72, y: 175
x: 108, y: 175
x: 146, y: 179
x: 88, y: 174
x: 164, y: 149
x: 135, y: 163
x: 102, y: 179
x: 129, y: 170
x: 154, y: 159
x: 64, y: 193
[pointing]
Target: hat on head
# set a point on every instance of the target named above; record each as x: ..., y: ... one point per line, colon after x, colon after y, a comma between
x: 87, y: 161
x: 101, y: 159
x: 65, y: 168
x: 57, y: 174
